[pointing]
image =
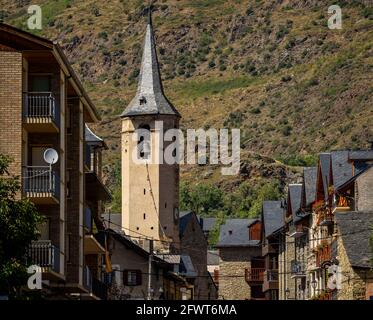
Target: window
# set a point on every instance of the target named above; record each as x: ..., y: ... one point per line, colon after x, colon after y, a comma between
x: 143, y: 143
x: 144, y: 216
x: 132, y: 277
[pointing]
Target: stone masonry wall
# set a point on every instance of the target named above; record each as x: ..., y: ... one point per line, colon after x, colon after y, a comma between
x: 232, y: 265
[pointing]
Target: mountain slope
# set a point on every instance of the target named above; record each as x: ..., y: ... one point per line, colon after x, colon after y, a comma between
x: 271, y: 68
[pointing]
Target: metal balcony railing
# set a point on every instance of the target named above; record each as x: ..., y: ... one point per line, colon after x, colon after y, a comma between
x: 38, y: 179
x: 40, y: 105
x: 99, y: 289
x: 45, y: 255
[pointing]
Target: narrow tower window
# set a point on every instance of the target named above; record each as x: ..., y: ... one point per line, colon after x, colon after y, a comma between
x: 144, y: 216
x: 143, y: 143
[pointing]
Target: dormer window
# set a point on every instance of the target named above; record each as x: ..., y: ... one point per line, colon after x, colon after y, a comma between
x: 142, y: 100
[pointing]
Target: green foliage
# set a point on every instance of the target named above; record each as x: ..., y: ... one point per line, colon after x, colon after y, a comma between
x: 18, y: 227
x: 245, y: 201
x: 307, y: 160
x: 201, y: 198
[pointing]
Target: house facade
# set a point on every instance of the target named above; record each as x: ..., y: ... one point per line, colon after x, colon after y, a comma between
x: 241, y: 267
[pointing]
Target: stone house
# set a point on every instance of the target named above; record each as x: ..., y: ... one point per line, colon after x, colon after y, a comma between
x: 130, y: 275
x: 241, y: 266
x: 193, y: 243
x: 272, y: 221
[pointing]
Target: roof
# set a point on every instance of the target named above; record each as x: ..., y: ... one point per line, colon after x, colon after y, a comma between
x: 186, y: 267
x: 295, y: 197
x: 309, y: 180
x: 184, y: 218
x: 325, y: 171
x: 361, y: 155
x: 273, y: 216
x: 207, y: 224
x: 93, y: 139
x: 150, y: 98
x: 235, y: 233
x: 212, y: 257
x: 26, y: 38
x: 356, y: 230
x: 341, y: 168
x: 113, y: 221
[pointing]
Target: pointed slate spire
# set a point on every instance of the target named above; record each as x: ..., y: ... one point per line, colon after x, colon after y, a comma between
x: 150, y: 98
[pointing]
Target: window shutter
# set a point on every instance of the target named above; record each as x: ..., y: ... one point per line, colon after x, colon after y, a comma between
x: 138, y: 277
x: 125, y: 277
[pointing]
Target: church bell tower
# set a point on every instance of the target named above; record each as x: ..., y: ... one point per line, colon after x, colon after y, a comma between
x: 150, y: 190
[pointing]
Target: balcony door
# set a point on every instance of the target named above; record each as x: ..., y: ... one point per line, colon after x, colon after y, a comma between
x: 37, y: 157
x: 40, y: 83
x: 44, y: 230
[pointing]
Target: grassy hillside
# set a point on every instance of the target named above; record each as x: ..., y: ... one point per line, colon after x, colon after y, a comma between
x: 271, y: 68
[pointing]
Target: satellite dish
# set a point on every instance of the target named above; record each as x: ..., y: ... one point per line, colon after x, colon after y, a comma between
x: 50, y: 156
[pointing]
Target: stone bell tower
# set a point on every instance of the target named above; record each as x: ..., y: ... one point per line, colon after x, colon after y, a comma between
x: 150, y: 190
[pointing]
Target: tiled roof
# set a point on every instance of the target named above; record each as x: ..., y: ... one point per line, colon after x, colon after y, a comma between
x: 325, y: 171
x: 212, y: 257
x: 207, y: 224
x: 356, y: 230
x: 235, y: 232
x: 341, y: 168
x: 273, y: 216
x: 361, y: 155
x: 184, y: 218
x: 113, y: 221
x: 150, y: 98
x: 295, y: 197
x: 309, y: 180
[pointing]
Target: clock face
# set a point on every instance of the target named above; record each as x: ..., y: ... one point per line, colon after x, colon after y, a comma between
x: 176, y: 213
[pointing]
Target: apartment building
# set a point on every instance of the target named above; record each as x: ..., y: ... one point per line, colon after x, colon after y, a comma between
x: 43, y: 105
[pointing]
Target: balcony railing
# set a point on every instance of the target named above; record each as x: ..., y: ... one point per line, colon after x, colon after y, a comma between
x: 325, y: 218
x: 297, y: 269
x: 40, y: 105
x: 99, y: 289
x: 323, y: 255
x: 40, y: 180
x: 254, y: 274
x: 45, y: 255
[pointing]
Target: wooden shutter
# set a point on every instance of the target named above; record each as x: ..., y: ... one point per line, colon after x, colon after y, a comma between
x: 125, y: 277
x: 138, y: 277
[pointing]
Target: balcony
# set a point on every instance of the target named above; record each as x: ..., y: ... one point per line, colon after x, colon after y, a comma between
x: 297, y: 269
x: 325, y: 218
x: 40, y: 112
x: 254, y: 275
x: 344, y: 204
x: 41, y: 185
x: 45, y: 255
x: 97, y: 290
x: 323, y: 255
x: 270, y: 280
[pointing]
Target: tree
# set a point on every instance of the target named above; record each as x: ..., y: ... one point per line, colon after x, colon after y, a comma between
x: 18, y: 227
